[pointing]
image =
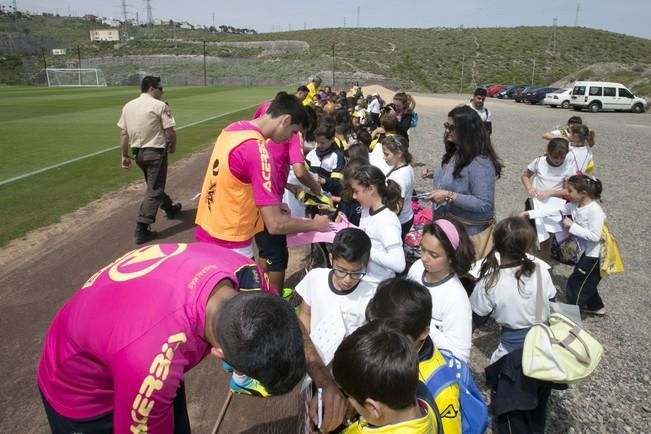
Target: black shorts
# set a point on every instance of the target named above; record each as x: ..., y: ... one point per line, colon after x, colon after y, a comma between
x: 273, y: 248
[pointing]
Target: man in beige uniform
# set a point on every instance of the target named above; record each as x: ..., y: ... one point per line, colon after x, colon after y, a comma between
x: 147, y: 125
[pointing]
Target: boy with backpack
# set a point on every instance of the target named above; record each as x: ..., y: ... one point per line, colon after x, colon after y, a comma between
x: 377, y: 369
x: 408, y: 304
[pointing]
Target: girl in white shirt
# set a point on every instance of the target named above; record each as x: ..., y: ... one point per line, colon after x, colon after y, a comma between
x: 544, y: 179
x: 586, y: 222
x: 380, y: 201
x: 507, y: 285
x: 397, y: 156
x: 446, y: 257
x: 581, y: 142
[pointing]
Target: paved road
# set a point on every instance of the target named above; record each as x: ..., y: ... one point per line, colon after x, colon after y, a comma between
x: 38, y: 274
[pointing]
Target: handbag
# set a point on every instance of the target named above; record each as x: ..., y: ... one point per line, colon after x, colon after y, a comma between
x: 567, y: 251
x: 610, y: 259
x: 561, y: 352
x: 483, y: 241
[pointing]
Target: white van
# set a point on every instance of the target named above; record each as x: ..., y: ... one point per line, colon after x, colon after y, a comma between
x: 602, y: 95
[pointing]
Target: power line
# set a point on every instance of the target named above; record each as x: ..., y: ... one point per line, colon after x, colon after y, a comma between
x: 150, y: 17
x: 123, y: 6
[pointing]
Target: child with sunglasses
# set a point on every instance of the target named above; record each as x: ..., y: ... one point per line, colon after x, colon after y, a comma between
x: 334, y: 300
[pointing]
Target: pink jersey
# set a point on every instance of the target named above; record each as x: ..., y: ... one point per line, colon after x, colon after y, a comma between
x: 123, y: 342
x: 283, y: 155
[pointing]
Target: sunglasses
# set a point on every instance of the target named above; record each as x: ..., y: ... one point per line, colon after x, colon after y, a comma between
x: 448, y: 126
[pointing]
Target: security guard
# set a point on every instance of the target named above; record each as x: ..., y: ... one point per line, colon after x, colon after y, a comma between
x: 147, y: 125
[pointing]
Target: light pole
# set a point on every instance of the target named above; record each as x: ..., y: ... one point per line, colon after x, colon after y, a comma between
x: 533, y: 70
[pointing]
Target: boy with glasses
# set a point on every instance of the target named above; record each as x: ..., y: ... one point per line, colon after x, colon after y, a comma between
x: 334, y: 300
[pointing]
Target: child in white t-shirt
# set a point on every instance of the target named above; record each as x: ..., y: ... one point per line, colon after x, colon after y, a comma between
x: 446, y: 256
x: 334, y: 300
x: 543, y: 181
x: 397, y: 156
x: 380, y: 201
x: 507, y: 285
x: 581, y: 142
x: 586, y: 221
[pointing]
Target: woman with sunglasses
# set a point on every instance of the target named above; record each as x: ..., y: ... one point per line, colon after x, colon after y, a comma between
x: 464, y: 183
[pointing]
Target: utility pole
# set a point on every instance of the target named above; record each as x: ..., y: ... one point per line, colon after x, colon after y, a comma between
x: 554, y: 35
x: 205, y: 81
x: 463, y: 59
x: 123, y: 6
x: 533, y: 70
x: 358, y: 8
x: 213, y: 19
x: 150, y: 18
x: 576, y: 17
x: 333, y: 66
x: 79, y: 60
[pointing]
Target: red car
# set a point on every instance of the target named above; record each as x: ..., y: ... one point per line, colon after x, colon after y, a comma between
x: 494, y: 90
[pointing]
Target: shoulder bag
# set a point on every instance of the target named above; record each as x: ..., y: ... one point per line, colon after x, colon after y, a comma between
x: 561, y: 352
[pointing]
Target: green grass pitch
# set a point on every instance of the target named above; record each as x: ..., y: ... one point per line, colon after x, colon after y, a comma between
x: 41, y: 127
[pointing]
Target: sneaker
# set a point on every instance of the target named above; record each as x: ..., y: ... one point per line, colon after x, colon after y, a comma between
x: 142, y: 234
x: 598, y: 312
x: 173, y: 210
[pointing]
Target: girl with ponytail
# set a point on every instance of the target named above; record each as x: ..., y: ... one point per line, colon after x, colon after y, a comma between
x: 381, y: 201
x: 507, y: 284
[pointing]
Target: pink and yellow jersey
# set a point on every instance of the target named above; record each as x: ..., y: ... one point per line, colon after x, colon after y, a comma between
x: 123, y: 342
x: 282, y: 155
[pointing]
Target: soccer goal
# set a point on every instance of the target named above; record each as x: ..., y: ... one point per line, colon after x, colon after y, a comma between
x: 75, y: 77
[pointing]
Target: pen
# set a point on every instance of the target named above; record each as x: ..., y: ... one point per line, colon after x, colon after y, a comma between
x: 319, y: 410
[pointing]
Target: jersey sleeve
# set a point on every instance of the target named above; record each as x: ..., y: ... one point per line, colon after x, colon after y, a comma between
x: 296, y: 150
x: 250, y: 163
x: 147, y: 375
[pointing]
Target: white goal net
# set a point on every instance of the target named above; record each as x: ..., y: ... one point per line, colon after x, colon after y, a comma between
x: 75, y: 77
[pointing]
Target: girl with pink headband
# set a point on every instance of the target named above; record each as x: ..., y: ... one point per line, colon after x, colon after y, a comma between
x: 446, y: 257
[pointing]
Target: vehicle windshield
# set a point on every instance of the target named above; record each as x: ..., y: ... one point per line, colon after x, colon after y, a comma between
x: 578, y: 90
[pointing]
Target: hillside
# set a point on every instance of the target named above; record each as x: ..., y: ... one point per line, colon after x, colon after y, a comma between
x: 416, y: 59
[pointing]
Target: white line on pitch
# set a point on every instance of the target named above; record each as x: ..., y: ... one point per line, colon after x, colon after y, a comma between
x: 83, y: 157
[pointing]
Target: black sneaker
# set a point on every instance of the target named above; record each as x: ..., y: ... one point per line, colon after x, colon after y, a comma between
x: 142, y: 234
x: 174, y: 210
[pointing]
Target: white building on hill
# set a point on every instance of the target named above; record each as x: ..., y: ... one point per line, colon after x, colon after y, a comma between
x: 104, y: 35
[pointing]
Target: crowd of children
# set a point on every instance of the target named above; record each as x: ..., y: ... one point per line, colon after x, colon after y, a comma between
x: 385, y: 336
x: 393, y: 333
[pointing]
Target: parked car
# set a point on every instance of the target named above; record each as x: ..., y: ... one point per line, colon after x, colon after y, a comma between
x: 519, y: 95
x: 486, y: 85
x: 509, y: 92
x: 559, y: 98
x: 537, y: 95
x: 602, y: 95
x: 494, y: 90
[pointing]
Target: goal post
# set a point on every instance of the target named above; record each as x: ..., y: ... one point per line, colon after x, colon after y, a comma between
x: 75, y: 77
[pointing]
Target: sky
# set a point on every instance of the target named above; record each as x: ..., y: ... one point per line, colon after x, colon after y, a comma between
x: 631, y: 17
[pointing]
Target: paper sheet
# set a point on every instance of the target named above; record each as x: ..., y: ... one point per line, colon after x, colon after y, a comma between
x: 303, y: 238
x: 547, y: 215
